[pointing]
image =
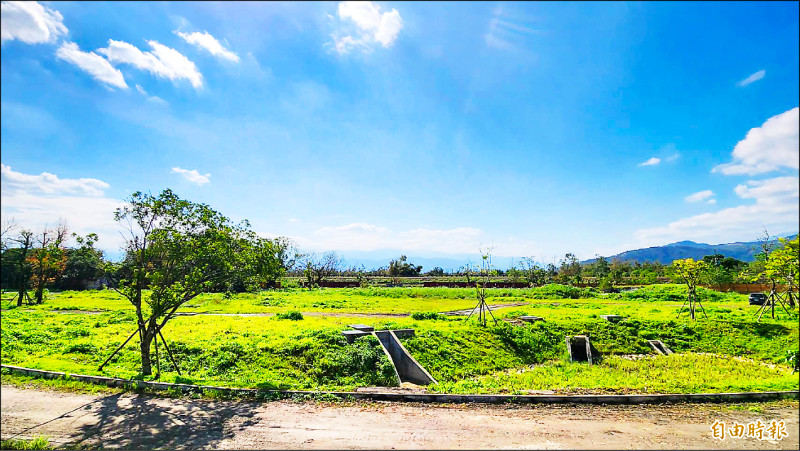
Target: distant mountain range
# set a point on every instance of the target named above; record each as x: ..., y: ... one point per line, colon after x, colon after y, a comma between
x: 663, y: 254
x: 689, y: 249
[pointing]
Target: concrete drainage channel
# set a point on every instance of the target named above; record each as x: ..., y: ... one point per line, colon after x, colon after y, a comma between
x: 406, y: 368
x: 419, y: 397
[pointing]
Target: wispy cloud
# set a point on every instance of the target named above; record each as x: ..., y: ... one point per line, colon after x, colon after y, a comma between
x: 162, y: 61
x: 768, y: 148
x: 207, y: 42
x: 701, y: 196
x: 651, y: 162
x: 192, y: 175
x: 154, y: 99
x: 368, y: 23
x: 753, y: 78
x: 30, y: 23
x: 505, y: 30
x: 362, y: 236
x: 97, y: 66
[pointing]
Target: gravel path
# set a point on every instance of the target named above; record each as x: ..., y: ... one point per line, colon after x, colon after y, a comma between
x: 133, y: 421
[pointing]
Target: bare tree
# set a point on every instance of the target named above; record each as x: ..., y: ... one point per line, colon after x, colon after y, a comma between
x: 316, y: 270
x: 5, y: 233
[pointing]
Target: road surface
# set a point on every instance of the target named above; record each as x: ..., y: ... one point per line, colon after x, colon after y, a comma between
x: 130, y: 421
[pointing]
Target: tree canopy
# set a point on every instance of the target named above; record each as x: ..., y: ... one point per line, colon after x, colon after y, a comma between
x: 180, y: 249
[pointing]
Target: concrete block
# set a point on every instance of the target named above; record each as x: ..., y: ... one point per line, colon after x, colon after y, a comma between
x: 579, y: 348
x: 531, y: 319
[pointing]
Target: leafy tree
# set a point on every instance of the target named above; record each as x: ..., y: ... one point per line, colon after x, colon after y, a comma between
x: 181, y: 249
x: 570, y: 269
x: 401, y: 268
x: 436, y: 272
x: 692, y: 273
x: 83, y: 264
x: 783, y: 266
x: 723, y: 269
x: 534, y: 274
x: 514, y: 274
x: 16, y: 269
x: 598, y: 268
x: 48, y: 259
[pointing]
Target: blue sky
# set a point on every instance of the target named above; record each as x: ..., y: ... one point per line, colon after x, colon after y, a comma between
x: 433, y: 129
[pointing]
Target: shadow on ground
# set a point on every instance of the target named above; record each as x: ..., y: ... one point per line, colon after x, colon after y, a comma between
x: 146, y: 422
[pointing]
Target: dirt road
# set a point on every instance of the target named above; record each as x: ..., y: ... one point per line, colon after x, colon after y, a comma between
x: 140, y: 421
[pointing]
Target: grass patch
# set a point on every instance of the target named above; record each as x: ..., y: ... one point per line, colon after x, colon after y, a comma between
x: 311, y: 354
x: 40, y: 442
x: 679, y: 373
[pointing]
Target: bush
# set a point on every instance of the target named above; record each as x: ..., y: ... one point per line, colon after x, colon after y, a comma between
x: 427, y: 315
x: 292, y: 315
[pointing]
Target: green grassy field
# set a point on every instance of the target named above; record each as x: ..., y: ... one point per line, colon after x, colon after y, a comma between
x: 271, y: 352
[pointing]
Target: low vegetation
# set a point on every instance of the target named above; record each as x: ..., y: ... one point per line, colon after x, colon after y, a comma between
x: 297, y: 343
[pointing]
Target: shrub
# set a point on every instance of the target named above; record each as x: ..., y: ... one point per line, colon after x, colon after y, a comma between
x: 427, y: 315
x: 292, y: 315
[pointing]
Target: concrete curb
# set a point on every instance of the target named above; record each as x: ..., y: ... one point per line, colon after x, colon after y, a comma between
x: 424, y: 397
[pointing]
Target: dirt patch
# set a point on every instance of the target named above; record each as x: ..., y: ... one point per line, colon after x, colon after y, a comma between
x: 142, y: 421
x: 493, y: 307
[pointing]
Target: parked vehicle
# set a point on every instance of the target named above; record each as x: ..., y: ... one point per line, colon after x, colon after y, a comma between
x: 757, y: 298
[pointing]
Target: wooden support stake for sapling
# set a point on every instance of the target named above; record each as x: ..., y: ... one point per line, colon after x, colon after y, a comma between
x: 169, y: 353
x: 100, y: 368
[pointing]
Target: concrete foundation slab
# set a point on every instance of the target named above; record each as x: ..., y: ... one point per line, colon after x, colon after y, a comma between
x: 530, y: 319
x: 361, y: 327
x: 351, y: 335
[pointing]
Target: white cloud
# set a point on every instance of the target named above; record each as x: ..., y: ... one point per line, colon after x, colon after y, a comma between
x: 30, y: 22
x: 36, y: 201
x: 752, y: 78
x: 192, y: 175
x: 46, y: 183
x: 205, y: 41
x: 371, y: 26
x: 97, y: 66
x: 768, y: 148
x: 770, y: 191
x: 775, y: 207
x: 699, y: 196
x: 368, y: 237
x: 651, y: 162
x: 162, y: 61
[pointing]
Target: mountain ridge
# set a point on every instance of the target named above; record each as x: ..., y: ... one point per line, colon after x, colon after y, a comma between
x: 745, y: 251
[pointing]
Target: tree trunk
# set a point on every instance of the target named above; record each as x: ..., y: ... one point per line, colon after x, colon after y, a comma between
x: 21, y: 295
x: 39, y: 295
x: 147, y: 339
